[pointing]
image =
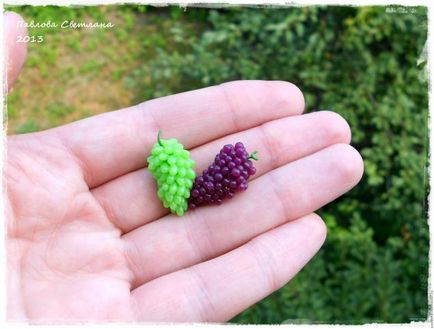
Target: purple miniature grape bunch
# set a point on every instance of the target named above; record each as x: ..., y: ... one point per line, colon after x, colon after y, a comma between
x: 227, y: 175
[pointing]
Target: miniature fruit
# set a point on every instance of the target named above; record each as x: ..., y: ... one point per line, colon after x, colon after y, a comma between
x: 172, y: 168
x: 228, y: 174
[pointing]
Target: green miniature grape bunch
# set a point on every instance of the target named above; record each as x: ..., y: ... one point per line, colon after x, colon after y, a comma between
x: 172, y: 168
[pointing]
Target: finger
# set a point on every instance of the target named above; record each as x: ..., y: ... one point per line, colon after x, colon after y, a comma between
x: 16, y: 51
x: 113, y: 144
x: 131, y: 200
x: 219, y: 289
x: 286, y: 193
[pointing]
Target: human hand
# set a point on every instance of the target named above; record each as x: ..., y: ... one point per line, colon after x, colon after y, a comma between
x: 88, y: 239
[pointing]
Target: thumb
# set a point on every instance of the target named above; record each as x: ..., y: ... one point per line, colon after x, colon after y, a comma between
x: 15, y: 51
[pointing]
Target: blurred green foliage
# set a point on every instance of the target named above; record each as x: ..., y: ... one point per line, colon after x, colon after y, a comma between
x: 362, y: 62
x: 73, y: 73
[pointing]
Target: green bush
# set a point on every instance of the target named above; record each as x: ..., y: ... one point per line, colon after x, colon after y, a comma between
x: 362, y: 63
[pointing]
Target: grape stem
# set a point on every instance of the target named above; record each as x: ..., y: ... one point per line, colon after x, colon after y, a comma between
x: 253, y: 156
x: 159, y: 138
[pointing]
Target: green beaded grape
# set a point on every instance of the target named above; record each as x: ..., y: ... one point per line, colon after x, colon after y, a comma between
x: 172, y: 168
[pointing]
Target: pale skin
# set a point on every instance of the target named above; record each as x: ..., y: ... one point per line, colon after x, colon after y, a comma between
x: 88, y: 240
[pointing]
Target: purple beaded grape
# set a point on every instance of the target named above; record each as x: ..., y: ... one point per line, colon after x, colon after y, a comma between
x: 227, y: 175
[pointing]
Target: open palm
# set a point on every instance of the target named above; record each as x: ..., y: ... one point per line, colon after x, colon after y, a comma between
x: 88, y: 240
